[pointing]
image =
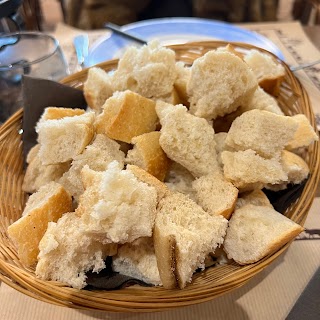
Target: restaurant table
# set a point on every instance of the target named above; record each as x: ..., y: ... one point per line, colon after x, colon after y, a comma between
x: 271, y: 294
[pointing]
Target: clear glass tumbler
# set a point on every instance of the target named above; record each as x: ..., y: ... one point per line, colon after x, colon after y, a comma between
x: 26, y: 53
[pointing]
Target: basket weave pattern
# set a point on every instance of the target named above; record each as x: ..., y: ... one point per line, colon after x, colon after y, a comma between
x: 206, y: 285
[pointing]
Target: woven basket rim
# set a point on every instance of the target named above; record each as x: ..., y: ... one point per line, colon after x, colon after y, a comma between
x: 149, y: 299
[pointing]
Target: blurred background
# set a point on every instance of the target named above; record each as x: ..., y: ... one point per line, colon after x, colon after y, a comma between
x: 92, y: 14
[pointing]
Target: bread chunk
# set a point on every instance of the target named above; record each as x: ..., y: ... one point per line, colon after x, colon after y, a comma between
x: 67, y: 252
x: 150, y: 180
x: 179, y: 179
x: 138, y: 260
x: 247, y: 170
x: 265, y: 132
x: 148, y: 155
x: 51, y: 113
x: 187, y: 139
x: 220, y: 139
x: 180, y: 84
x: 117, y: 207
x: 48, y: 204
x: 219, y: 83
x: 62, y: 139
x: 126, y: 115
x: 215, y: 194
x: 97, y: 156
x: 173, y: 97
x: 37, y: 174
x: 97, y: 88
x: 256, y: 231
x: 179, y: 246
x: 263, y: 101
x: 304, y: 135
x: 266, y: 69
x: 256, y: 197
x: 295, y: 167
x: 148, y: 70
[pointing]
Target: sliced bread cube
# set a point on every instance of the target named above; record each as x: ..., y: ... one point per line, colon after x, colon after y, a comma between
x: 38, y: 174
x: 248, y: 171
x: 179, y: 246
x: 62, y: 139
x: 265, y: 132
x: 148, y: 70
x: 42, y: 207
x: 66, y: 252
x: 268, y: 71
x: 255, y: 232
x: 215, y: 194
x: 126, y: 115
x: 138, y: 260
x: 148, y: 154
x: 219, y: 83
x: 187, y: 139
x: 304, y: 135
x: 97, y: 156
x: 256, y: 197
x: 116, y: 207
x: 97, y: 88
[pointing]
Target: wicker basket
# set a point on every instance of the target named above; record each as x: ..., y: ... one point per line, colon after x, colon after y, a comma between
x: 206, y: 285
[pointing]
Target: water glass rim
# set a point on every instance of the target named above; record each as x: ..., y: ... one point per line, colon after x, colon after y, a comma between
x: 28, y: 63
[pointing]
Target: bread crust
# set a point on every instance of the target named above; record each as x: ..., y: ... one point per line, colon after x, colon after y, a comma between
x: 166, y: 250
x: 127, y: 115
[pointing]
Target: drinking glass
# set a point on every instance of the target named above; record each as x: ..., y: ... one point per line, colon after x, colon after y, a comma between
x: 34, y: 54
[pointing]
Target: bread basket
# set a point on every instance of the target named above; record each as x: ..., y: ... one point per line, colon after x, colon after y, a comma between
x: 206, y: 285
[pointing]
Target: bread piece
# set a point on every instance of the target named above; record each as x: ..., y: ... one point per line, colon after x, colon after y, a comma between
x: 265, y: 132
x: 33, y: 152
x: 256, y: 197
x: 187, y: 139
x: 263, y: 101
x: 48, y: 204
x: 51, y: 113
x: 295, y: 167
x: 179, y: 179
x: 150, y: 180
x: 256, y: 231
x: 148, y: 155
x: 219, y: 83
x: 247, y: 170
x: 215, y: 194
x: 220, y: 139
x: 97, y: 88
x: 148, y: 70
x: 180, y: 84
x: 97, y: 156
x: 304, y: 135
x: 173, y: 97
x: 116, y: 207
x: 62, y: 139
x: 180, y: 246
x: 126, y: 115
x: 37, y: 174
x: 138, y: 260
x: 67, y: 252
x: 269, y: 72
x: 260, y: 100
x: 231, y: 49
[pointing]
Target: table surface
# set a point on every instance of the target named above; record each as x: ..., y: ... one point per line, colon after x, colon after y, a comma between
x: 269, y: 295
